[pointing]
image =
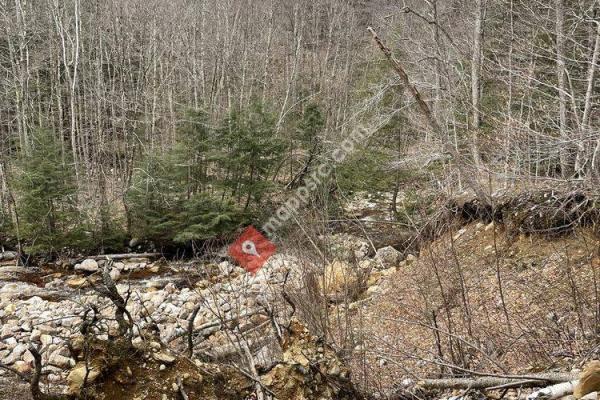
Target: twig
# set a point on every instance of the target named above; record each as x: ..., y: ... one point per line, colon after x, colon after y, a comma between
x: 181, y: 389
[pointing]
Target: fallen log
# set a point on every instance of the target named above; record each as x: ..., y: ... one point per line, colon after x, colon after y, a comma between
x: 124, y: 256
x: 484, y: 382
x: 554, y: 391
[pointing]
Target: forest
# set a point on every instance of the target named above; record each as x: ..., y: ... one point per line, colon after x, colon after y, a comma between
x: 446, y: 151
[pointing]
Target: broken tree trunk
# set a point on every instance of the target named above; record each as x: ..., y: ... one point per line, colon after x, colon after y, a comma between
x: 485, y: 382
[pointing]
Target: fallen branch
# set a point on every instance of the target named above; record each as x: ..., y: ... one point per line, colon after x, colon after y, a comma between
x: 485, y: 382
x: 554, y: 391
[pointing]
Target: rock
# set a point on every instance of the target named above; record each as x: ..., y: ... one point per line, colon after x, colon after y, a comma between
x: 60, y: 361
x: 119, y: 265
x: 293, y: 379
x: 88, y: 265
x: 163, y: 357
x: 374, y: 290
x: 77, y: 283
x: 18, y: 351
x: 27, y: 357
x: 155, y: 346
x: 35, y: 335
x: 138, y: 342
x: 11, y: 343
x: 225, y: 268
x: 46, y: 340
x: 77, y: 376
x: 162, y: 367
x: 6, y: 331
x: 374, y: 278
x: 338, y: 279
x: 23, y: 367
x: 347, y: 247
x: 115, y: 275
x: 411, y: 258
x: 10, y: 309
x: 387, y: 257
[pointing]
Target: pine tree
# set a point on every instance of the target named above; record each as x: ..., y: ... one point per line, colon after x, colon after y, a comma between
x: 250, y: 150
x: 45, y: 185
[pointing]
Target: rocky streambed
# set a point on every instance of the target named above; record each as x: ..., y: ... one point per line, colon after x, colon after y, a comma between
x: 45, y: 307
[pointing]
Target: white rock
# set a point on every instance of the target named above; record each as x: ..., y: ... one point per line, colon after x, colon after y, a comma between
x: 27, y: 357
x: 411, y: 258
x: 225, y: 268
x: 35, y: 335
x: 164, y: 357
x: 46, y: 340
x: 88, y: 265
x: 115, y: 274
x: 119, y: 265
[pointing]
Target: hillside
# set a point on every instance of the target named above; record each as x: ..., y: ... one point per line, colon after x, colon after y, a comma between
x: 481, y: 297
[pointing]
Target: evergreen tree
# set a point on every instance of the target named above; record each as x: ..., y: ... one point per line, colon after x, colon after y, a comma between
x: 191, y: 155
x: 250, y: 151
x: 310, y: 125
x: 45, y: 187
x: 308, y: 134
x: 204, y: 186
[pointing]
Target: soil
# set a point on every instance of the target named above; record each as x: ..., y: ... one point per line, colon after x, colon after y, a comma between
x: 543, y: 318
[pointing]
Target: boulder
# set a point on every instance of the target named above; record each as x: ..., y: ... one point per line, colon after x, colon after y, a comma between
x: 77, y: 376
x: 387, y: 257
x: 115, y: 275
x: 339, y: 280
x: 88, y: 265
x: 347, y: 247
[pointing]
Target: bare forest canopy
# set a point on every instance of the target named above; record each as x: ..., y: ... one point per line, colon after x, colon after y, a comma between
x: 180, y: 121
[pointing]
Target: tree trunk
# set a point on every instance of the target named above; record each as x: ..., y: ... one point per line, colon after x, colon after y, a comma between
x: 476, y: 80
x: 562, y: 92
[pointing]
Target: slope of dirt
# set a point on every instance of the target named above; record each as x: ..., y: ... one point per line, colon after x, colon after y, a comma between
x: 482, y: 299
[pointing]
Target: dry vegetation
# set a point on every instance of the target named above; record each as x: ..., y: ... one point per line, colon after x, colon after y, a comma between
x: 453, y: 250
